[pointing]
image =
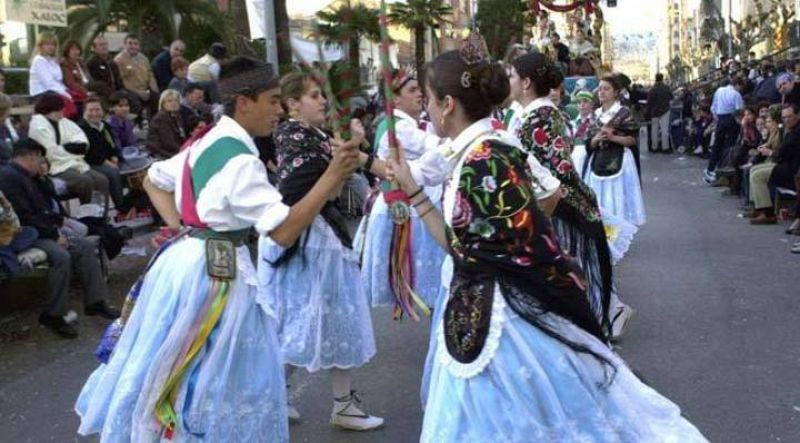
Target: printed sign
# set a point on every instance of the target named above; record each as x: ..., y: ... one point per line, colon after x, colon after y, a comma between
x: 35, y: 12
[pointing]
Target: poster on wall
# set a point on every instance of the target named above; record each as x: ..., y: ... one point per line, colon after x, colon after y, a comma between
x: 35, y: 12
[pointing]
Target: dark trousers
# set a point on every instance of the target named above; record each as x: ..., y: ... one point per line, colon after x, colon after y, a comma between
x: 725, y: 137
x: 82, y: 184
x: 81, y: 255
x: 114, y: 182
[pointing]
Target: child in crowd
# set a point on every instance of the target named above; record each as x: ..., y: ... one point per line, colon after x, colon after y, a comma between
x: 119, y: 120
x: 180, y: 71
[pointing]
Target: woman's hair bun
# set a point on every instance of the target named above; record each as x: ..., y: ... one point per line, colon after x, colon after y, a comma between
x: 494, y: 84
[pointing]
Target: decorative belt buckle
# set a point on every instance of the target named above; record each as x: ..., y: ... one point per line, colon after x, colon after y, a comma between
x: 221, y: 258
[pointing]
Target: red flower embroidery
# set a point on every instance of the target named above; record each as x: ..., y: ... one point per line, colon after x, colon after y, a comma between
x: 482, y: 152
x: 462, y: 212
x: 559, y: 144
x: 564, y: 167
x: 513, y: 177
x: 523, y: 261
x: 539, y: 136
x: 521, y: 219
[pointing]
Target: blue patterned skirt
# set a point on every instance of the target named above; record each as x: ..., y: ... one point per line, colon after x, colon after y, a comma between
x: 323, y: 315
x: 233, y: 391
x: 526, y: 386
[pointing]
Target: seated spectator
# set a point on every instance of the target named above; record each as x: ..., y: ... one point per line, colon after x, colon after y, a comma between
x: 102, y: 69
x: 6, y: 137
x: 779, y: 170
x: 65, y: 144
x: 14, y: 238
x: 561, y: 52
x: 162, y: 63
x: 580, y: 47
x: 180, y: 71
x: 787, y: 87
x: 19, y: 185
x: 76, y: 74
x: 119, y: 121
x: 193, y: 108
x: 205, y: 70
x: 701, y: 131
x: 167, y: 132
x: 46, y: 74
x: 103, y: 153
x: 137, y: 77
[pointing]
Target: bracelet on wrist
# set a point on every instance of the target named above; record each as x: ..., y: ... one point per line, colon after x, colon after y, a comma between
x: 426, y: 212
x: 416, y: 193
x: 419, y: 203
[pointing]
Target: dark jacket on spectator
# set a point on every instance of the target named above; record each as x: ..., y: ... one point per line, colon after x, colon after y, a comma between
x: 5, y: 144
x: 105, y: 72
x: 30, y: 204
x: 658, y: 100
x: 162, y: 69
x: 166, y: 134
x: 787, y: 160
x: 768, y: 91
x: 101, y: 144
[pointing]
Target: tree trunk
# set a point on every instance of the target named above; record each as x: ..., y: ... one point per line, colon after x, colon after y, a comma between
x: 419, y: 47
x: 283, y: 36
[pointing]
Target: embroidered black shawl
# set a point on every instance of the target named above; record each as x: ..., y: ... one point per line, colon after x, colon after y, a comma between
x: 303, y: 155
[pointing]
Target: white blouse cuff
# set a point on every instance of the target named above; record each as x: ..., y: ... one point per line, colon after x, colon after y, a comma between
x: 272, y: 218
x: 160, y: 178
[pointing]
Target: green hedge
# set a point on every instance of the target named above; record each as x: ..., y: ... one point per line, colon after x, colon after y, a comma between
x: 17, y: 82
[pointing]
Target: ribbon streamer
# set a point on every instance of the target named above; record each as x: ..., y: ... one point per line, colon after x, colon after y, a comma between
x: 401, y: 263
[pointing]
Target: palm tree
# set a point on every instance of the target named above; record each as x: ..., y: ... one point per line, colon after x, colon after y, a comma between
x: 419, y: 16
x: 157, y: 22
x: 346, y: 25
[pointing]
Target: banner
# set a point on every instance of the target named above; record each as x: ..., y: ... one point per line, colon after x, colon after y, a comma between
x: 35, y: 12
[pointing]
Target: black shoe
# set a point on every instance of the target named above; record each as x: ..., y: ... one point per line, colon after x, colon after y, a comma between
x: 58, y: 325
x: 102, y: 309
x: 125, y: 232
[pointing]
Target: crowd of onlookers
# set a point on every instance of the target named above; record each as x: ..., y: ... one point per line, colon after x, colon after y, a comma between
x: 95, y: 127
x: 572, y: 55
x: 745, y: 121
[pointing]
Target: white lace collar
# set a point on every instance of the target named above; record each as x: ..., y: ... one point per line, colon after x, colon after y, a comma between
x: 606, y: 116
x: 536, y: 104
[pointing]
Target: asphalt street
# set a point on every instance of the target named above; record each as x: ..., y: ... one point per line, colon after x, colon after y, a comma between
x: 716, y: 330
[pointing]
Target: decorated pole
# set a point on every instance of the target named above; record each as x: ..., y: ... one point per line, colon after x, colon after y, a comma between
x: 401, y: 269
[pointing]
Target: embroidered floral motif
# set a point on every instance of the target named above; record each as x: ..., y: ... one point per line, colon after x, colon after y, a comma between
x: 544, y: 134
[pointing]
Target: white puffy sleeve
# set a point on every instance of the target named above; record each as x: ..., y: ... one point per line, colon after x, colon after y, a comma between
x: 250, y: 195
x: 548, y: 183
x: 414, y: 141
x: 165, y: 174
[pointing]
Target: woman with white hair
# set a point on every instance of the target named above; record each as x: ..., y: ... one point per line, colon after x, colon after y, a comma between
x: 166, y: 134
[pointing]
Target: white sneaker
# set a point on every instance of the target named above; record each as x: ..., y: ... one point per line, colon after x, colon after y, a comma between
x: 709, y: 177
x: 698, y: 150
x: 347, y: 415
x: 620, y: 321
x: 294, y: 414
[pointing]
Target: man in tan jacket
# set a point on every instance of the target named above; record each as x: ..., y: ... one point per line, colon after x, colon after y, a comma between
x: 137, y: 77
